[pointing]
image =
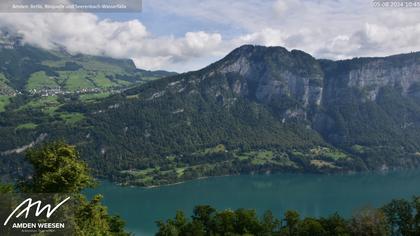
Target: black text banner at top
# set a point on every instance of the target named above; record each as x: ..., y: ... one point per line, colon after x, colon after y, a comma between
x: 40, y: 6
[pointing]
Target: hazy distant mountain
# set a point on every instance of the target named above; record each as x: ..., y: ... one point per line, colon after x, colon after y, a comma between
x: 24, y: 68
x: 258, y: 110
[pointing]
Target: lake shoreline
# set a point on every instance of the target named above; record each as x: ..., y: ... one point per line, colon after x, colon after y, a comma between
x: 381, y: 171
x: 314, y: 195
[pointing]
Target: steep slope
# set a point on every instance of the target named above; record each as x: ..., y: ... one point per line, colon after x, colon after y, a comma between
x: 25, y: 68
x: 258, y: 110
x: 371, y: 107
x: 45, y: 75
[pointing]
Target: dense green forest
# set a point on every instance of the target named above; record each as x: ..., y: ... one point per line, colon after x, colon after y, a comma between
x: 58, y: 169
x: 258, y: 110
x: 397, y: 218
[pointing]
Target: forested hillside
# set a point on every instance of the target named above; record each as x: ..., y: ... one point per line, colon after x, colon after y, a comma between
x: 46, y: 75
x: 258, y: 110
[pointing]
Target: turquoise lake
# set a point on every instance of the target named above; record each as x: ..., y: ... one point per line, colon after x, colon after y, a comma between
x: 311, y: 195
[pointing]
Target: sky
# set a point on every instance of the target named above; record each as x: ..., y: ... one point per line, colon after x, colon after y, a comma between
x: 184, y: 35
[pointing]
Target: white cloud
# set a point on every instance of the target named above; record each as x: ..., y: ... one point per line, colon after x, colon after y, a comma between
x: 202, y: 41
x: 333, y: 29
x: 281, y: 7
x: 86, y: 33
x: 266, y: 37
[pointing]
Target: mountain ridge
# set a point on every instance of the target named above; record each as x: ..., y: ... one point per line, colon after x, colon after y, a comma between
x: 258, y: 110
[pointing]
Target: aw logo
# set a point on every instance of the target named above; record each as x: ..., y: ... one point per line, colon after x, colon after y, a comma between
x: 46, y: 214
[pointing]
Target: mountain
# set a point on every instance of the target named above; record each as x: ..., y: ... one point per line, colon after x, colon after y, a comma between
x: 49, y: 74
x: 258, y: 110
x: 25, y: 68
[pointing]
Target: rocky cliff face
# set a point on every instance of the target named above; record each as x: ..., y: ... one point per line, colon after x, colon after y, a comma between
x: 366, y: 111
x: 346, y: 101
x: 368, y: 107
x: 370, y: 75
x: 296, y: 84
x: 271, y: 75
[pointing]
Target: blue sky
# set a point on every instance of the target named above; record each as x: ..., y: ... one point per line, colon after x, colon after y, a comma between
x: 183, y: 35
x: 163, y: 22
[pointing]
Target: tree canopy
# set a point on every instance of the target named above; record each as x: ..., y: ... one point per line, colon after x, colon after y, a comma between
x: 58, y: 169
x: 397, y: 218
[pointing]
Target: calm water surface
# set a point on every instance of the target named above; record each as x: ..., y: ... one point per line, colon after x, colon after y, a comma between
x: 311, y: 195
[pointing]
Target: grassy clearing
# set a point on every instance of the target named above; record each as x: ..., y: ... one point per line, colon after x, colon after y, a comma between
x: 102, y: 81
x: 77, y: 80
x: 3, y: 78
x: 156, y: 176
x: 92, y: 73
x: 298, y: 154
x: 323, y: 164
x: 358, y: 149
x: 122, y: 82
x: 88, y: 62
x: 58, y: 63
x: 263, y: 157
x: 91, y: 64
x: 26, y: 126
x: 46, y: 104
x: 139, y: 173
x: 256, y: 156
x: 147, y: 79
x: 336, y: 155
x: 328, y: 153
x: 180, y: 171
x: 40, y: 80
x: 4, y: 101
x: 171, y: 158
x: 217, y: 149
x: 94, y: 97
x: 143, y: 177
x: 133, y: 97
x: 72, y: 118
